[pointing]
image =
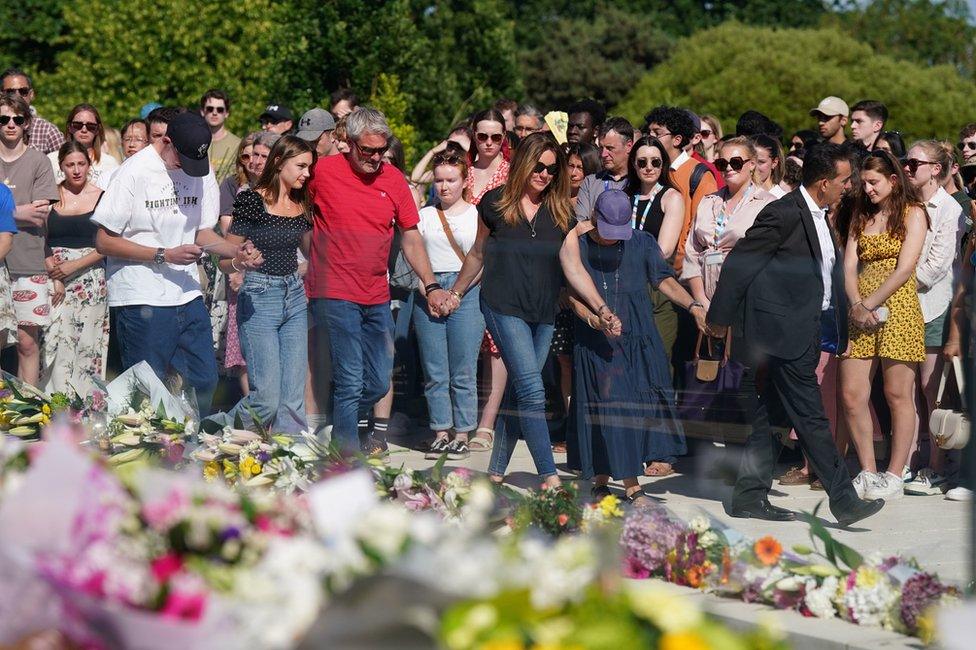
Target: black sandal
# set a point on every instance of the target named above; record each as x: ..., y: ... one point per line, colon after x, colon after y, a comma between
x: 599, y: 492
x: 635, y: 499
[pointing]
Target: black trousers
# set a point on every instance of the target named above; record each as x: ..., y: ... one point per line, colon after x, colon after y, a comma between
x: 788, y: 393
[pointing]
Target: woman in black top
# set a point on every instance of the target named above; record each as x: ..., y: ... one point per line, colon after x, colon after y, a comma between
x: 75, y: 345
x: 520, y: 232
x: 657, y: 208
x: 276, y: 217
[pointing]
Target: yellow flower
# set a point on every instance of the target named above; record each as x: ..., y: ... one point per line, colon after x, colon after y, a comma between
x: 868, y: 577
x: 230, y: 470
x: 663, y: 606
x: 46, y: 409
x: 503, y: 644
x: 211, y: 470
x: 683, y: 641
x: 250, y: 467
x: 610, y: 506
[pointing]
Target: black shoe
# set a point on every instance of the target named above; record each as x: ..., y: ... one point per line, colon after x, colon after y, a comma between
x: 437, y: 448
x: 762, y: 510
x: 599, y: 492
x: 857, y: 511
x: 457, y: 450
x: 375, y: 445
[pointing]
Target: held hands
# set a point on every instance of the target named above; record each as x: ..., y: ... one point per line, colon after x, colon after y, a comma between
x: 952, y: 349
x: 863, y: 317
x: 63, y: 271
x: 248, y: 257
x: 442, y: 302
x: 699, y: 313
x: 609, y: 322
x: 183, y: 255
x: 57, y: 294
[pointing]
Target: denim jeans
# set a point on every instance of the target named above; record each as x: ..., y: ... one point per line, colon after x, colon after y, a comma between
x: 361, y: 346
x: 524, y: 348
x: 272, y: 325
x: 179, y: 337
x: 449, y: 352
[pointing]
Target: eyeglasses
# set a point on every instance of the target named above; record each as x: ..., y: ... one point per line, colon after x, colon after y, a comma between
x: 215, y: 109
x: 735, y: 162
x: 133, y: 140
x: 524, y: 130
x: 660, y: 133
x: 81, y: 126
x: 549, y: 169
x: 369, y: 152
x: 447, y: 158
x: 19, y: 120
x: 245, y: 157
x: 912, y: 164
x: 23, y: 91
x: 495, y: 137
x: 706, y: 133
x: 656, y: 163
x: 969, y: 144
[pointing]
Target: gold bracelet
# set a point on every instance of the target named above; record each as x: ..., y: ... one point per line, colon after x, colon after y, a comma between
x: 233, y: 265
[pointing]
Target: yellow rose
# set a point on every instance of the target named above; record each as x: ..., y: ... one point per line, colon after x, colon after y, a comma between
x: 46, y: 409
x: 249, y: 467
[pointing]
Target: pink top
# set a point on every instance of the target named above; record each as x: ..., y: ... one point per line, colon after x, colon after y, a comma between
x: 498, y: 178
x: 715, y: 231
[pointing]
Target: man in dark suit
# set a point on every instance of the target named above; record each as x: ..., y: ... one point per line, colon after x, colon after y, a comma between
x: 776, y: 285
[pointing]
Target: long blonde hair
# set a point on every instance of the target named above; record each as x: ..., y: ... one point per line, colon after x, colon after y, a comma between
x: 556, y: 196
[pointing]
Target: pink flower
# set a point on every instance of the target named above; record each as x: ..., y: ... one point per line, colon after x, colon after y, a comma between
x: 165, y: 513
x: 419, y: 500
x: 165, y: 566
x: 634, y: 569
x: 185, y: 606
x: 174, y: 452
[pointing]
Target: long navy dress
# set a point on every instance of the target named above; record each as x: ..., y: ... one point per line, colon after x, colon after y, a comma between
x: 623, y: 411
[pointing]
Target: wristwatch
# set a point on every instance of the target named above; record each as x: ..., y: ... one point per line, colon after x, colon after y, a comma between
x: 695, y: 303
x: 160, y: 256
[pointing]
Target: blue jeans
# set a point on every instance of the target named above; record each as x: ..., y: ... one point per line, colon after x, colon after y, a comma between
x: 179, y: 337
x: 524, y: 348
x: 361, y: 346
x: 273, y: 329
x: 449, y: 351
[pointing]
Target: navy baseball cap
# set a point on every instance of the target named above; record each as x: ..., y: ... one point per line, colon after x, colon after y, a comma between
x: 191, y: 138
x: 613, y: 214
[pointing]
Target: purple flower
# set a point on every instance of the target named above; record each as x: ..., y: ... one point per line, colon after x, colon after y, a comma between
x: 231, y: 532
x: 263, y: 457
x: 918, y: 594
x: 648, y: 537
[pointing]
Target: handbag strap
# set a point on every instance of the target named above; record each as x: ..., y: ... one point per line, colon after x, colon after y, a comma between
x: 960, y: 382
x: 450, y: 235
x: 725, y: 355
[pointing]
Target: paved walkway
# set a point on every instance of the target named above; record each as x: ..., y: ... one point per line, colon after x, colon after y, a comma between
x: 931, y: 529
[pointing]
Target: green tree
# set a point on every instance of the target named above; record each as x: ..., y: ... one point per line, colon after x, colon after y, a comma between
x: 927, y: 31
x: 30, y: 33
x: 388, y: 97
x: 784, y: 72
x: 120, y: 55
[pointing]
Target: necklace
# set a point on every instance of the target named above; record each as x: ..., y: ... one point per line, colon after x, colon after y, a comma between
x: 531, y: 224
x: 616, y: 278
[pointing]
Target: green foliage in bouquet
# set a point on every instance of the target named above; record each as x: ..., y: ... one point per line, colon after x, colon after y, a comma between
x: 555, y: 511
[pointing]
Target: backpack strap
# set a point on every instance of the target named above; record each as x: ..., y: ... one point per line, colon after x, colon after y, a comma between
x: 696, y: 177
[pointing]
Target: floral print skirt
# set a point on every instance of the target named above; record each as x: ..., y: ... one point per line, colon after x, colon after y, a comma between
x: 8, y: 320
x: 75, y: 346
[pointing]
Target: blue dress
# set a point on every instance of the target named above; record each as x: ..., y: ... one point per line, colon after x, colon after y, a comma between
x: 623, y: 411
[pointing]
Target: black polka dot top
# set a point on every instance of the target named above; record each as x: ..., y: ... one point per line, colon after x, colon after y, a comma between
x: 276, y: 237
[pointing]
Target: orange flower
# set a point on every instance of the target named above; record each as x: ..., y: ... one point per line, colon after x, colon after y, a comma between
x: 563, y: 518
x: 694, y: 576
x: 726, y: 565
x: 768, y: 550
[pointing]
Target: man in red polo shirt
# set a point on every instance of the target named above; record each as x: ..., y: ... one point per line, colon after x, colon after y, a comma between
x: 358, y: 200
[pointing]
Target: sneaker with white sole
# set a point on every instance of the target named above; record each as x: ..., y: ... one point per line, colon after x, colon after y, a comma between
x: 959, y: 494
x: 926, y: 483
x: 863, y: 481
x: 906, y: 474
x: 888, y: 486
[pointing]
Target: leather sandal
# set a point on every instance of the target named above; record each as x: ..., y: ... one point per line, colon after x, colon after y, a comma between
x: 482, y: 442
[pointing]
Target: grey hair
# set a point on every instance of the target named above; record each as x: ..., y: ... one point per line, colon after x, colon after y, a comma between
x: 364, y: 120
x: 531, y: 111
x: 267, y: 139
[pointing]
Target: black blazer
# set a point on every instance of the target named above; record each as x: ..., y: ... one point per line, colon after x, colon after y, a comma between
x: 771, y: 289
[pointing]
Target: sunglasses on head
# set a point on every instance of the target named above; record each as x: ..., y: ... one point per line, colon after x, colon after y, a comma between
x: 368, y: 152
x: 81, y: 126
x: 966, y: 145
x: 656, y: 163
x: 447, y: 158
x: 735, y: 162
x: 549, y: 169
x: 214, y: 109
x: 495, y: 137
x: 19, y: 120
x: 912, y: 164
x: 23, y: 91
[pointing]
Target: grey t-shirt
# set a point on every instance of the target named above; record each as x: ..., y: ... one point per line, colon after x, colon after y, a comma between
x: 593, y: 186
x: 30, y: 178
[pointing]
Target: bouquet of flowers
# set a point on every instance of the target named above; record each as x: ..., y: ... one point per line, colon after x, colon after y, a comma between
x: 446, y: 493
x: 143, y: 431
x: 24, y: 410
x: 553, y: 510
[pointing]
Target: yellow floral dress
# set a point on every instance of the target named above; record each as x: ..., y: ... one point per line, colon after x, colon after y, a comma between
x: 902, y: 336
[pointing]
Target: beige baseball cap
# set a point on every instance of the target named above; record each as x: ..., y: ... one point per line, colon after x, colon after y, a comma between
x: 831, y: 106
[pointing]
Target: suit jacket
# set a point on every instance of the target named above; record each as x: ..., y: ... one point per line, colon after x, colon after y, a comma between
x: 771, y: 289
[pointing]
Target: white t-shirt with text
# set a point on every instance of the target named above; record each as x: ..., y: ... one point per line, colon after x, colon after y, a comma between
x: 159, y: 208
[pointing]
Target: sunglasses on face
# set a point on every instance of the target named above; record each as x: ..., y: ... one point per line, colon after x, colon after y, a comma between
x: 23, y: 91
x: 369, y: 152
x: 735, y: 162
x: 912, y: 164
x: 495, y: 137
x: 91, y: 127
x: 215, y: 109
x: 245, y: 157
x: 706, y: 133
x: 655, y: 163
x: 19, y: 120
x: 549, y: 169
x: 966, y: 145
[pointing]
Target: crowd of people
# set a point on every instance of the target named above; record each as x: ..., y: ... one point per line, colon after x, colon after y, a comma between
x: 286, y: 259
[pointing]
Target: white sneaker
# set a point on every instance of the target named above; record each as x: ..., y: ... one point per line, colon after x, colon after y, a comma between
x: 863, y: 481
x: 959, y: 494
x: 926, y: 483
x: 887, y: 486
x: 906, y: 474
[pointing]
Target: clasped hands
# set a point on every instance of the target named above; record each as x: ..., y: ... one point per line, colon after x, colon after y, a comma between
x: 442, y: 302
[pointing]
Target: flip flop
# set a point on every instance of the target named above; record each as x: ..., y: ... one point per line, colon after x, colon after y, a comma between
x: 654, y: 469
x: 482, y: 443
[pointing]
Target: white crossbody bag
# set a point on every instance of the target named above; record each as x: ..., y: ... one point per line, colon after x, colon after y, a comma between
x: 950, y: 428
